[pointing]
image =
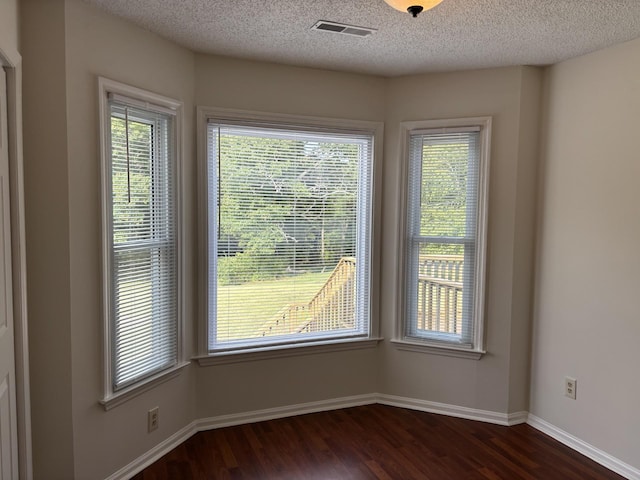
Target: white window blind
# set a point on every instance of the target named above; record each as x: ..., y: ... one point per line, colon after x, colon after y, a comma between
x: 444, y: 251
x: 289, y: 232
x: 143, y: 254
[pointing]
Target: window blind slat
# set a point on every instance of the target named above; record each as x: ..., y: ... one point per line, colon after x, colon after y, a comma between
x: 444, y: 176
x: 143, y: 250
x: 289, y: 234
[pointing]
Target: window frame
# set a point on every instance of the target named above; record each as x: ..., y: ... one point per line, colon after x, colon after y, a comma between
x: 151, y: 102
x: 438, y: 343
x: 243, y: 117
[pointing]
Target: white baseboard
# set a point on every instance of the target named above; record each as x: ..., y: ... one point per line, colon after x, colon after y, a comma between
x: 154, y: 454
x: 454, y: 410
x: 281, y: 412
x: 595, y: 454
x: 221, y: 421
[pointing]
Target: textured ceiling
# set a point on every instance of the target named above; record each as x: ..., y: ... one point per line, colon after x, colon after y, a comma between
x: 457, y: 34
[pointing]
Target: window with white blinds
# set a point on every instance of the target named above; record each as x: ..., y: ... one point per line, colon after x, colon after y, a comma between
x: 141, y: 262
x: 289, y: 233
x: 446, y: 219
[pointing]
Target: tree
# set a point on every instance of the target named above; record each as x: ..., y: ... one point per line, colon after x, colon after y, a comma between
x: 445, y: 177
x: 131, y: 179
x: 289, y: 204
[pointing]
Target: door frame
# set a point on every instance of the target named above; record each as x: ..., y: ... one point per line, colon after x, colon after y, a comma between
x: 11, y: 60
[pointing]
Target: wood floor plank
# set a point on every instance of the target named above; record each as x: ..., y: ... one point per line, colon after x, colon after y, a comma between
x: 374, y: 442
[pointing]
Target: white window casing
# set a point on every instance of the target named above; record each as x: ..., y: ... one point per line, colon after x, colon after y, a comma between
x: 142, y: 257
x: 287, y: 234
x: 444, y: 222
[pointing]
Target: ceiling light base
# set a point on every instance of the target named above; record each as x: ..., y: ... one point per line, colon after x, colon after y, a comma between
x: 414, y: 7
x: 414, y: 10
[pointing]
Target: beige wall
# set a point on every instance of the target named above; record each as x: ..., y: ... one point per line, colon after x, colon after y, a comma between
x: 9, y: 25
x: 67, y: 45
x: 47, y: 226
x: 586, y: 310
x: 65, y: 284
x: 100, y: 45
x: 266, y: 87
x: 81, y: 43
x: 524, y: 238
x: 229, y: 83
x: 497, y: 382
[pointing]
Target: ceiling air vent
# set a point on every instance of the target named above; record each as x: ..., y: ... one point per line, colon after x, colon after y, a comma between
x: 334, y: 27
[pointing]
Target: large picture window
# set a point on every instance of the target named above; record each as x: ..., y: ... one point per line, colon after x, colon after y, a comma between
x: 445, y: 232
x: 141, y: 239
x: 288, y: 234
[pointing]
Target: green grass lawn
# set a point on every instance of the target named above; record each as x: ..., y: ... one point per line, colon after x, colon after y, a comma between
x: 244, y: 309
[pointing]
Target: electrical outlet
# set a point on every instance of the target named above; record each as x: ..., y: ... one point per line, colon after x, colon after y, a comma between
x: 153, y: 418
x: 570, y: 385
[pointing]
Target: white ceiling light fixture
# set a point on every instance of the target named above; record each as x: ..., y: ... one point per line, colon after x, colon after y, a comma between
x: 414, y: 7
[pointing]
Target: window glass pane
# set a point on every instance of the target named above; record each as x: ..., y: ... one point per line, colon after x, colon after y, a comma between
x: 440, y: 289
x: 291, y: 260
x: 445, y: 187
x: 143, y: 244
x: 145, y: 312
x: 131, y: 177
x: 442, y: 228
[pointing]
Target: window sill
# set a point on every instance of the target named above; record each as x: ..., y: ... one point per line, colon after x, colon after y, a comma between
x: 127, y: 394
x: 438, y: 349
x: 280, y: 351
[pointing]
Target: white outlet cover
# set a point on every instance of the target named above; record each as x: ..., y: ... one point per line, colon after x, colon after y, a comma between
x: 570, y: 387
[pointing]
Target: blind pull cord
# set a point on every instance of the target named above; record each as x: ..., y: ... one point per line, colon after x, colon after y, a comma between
x: 126, y: 134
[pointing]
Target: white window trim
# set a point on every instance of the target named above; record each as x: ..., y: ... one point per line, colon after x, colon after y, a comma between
x: 126, y: 394
x: 148, y: 100
x: 290, y: 350
x: 204, y: 357
x: 400, y: 340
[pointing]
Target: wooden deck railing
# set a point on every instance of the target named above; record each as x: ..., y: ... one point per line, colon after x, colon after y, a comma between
x: 332, y: 308
x: 439, y: 309
x: 440, y: 293
x: 287, y: 320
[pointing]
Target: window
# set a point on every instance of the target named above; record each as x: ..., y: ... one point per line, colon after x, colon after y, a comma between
x: 140, y: 219
x: 288, y: 237
x: 445, y: 233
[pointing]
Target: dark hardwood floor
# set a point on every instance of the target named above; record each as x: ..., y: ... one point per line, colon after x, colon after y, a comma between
x: 373, y: 442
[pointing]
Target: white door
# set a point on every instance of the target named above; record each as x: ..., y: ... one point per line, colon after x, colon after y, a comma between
x: 8, y: 419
